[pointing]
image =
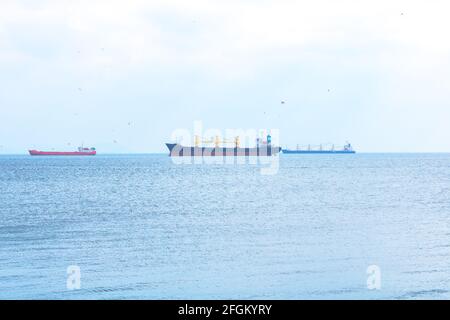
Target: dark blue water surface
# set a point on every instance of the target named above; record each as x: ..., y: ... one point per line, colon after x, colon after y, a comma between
x: 143, y: 227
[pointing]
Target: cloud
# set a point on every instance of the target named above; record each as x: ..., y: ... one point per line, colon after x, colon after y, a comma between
x: 217, y: 36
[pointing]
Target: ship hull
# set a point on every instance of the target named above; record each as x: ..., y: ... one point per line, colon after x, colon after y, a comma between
x: 177, y: 150
x: 318, y: 151
x: 58, y: 153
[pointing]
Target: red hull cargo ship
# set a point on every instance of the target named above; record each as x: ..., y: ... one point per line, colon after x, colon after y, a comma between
x: 81, y: 152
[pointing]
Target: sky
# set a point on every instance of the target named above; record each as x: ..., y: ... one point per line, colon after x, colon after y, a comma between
x: 122, y: 76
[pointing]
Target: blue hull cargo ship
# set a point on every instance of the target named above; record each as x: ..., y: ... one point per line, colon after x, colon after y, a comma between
x: 347, y: 149
x: 262, y: 149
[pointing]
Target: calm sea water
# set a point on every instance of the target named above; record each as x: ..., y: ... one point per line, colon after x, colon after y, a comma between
x: 141, y: 227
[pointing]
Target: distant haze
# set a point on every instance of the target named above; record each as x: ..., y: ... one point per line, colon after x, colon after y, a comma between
x: 123, y: 75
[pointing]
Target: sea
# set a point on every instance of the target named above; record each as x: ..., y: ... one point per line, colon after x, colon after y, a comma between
x: 363, y: 226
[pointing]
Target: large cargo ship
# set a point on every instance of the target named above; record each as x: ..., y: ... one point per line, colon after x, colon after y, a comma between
x: 346, y: 149
x: 81, y: 152
x: 262, y: 148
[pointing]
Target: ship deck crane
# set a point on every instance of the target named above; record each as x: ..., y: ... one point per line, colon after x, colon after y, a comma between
x: 217, y: 141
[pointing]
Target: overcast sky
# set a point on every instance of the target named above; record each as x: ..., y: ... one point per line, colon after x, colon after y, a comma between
x: 123, y: 75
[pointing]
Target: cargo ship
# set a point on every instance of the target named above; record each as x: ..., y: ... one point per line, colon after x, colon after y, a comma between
x: 262, y: 148
x: 346, y: 149
x: 81, y: 152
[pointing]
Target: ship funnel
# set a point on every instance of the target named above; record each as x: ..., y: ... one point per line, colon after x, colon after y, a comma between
x: 269, y: 139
